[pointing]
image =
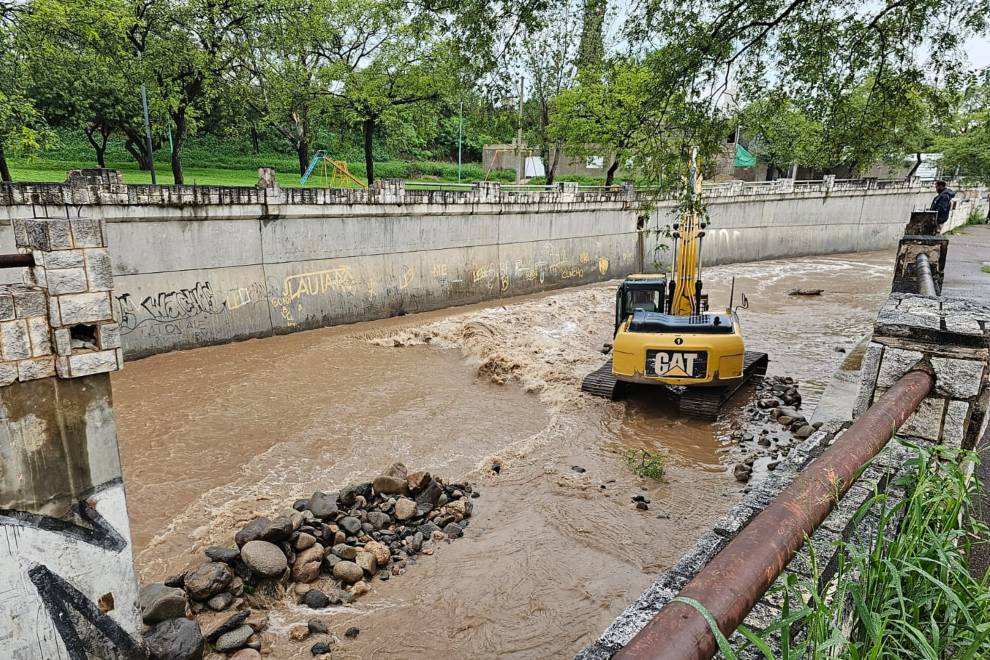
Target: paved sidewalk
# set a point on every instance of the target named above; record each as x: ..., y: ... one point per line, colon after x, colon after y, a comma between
x: 968, y: 252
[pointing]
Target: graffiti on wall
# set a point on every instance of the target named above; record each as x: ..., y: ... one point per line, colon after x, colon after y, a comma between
x: 67, y: 585
x: 296, y: 288
x: 190, y: 314
x: 170, y: 312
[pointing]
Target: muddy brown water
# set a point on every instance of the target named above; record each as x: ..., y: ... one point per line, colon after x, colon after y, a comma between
x: 213, y: 437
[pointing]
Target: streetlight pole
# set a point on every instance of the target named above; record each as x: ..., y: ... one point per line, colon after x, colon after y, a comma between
x: 521, y: 164
x: 460, y: 137
x: 147, y: 134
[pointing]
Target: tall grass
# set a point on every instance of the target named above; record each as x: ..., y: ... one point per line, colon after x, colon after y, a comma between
x: 900, y: 595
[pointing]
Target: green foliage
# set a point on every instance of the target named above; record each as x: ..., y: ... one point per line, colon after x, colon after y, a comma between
x: 646, y: 463
x: 908, y: 594
x: 23, y: 130
x: 965, y: 144
x: 836, y: 86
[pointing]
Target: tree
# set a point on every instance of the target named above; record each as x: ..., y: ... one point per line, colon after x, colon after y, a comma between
x: 965, y: 146
x: 782, y: 134
x: 22, y: 128
x: 293, y: 46
x: 409, y: 64
x: 549, y: 57
x: 591, y: 50
x: 189, y: 49
x: 853, y: 66
x: 81, y: 75
x: 615, y: 111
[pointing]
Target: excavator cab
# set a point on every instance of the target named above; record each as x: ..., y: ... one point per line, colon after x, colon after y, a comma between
x: 645, y: 293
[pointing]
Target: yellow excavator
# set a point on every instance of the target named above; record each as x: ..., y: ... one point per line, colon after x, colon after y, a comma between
x: 665, y: 334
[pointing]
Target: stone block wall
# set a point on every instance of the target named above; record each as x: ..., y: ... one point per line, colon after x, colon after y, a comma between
x: 199, y: 265
x: 67, y: 584
x: 73, y: 279
x: 951, y: 335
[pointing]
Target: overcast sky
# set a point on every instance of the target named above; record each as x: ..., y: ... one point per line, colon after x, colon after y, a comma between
x: 979, y: 52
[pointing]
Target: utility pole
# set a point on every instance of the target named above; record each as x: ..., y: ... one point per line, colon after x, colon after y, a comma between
x: 460, y: 137
x: 147, y: 134
x: 521, y: 164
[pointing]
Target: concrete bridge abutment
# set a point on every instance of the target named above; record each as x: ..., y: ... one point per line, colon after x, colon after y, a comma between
x: 67, y: 583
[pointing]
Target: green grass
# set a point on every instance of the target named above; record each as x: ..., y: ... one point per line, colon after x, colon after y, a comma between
x: 50, y: 171
x: 646, y: 463
x: 208, y: 161
x: 985, y: 269
x: 907, y: 595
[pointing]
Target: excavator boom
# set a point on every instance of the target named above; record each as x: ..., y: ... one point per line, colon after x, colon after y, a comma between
x: 685, y: 298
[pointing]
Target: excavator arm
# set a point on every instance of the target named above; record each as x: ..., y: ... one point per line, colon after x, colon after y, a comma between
x: 685, y: 283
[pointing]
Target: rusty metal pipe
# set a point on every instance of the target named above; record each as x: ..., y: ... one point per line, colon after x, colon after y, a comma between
x: 737, y: 577
x: 17, y: 260
x: 923, y: 273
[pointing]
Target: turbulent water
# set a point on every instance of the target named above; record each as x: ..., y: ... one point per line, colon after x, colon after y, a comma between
x: 213, y: 437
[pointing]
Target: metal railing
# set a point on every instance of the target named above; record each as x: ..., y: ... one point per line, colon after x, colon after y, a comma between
x: 738, y: 576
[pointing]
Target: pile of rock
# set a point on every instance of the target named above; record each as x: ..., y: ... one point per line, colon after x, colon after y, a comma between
x: 780, y: 397
x: 778, y: 404
x: 343, y: 540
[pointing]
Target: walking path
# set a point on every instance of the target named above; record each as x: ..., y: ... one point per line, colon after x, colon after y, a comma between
x: 968, y: 252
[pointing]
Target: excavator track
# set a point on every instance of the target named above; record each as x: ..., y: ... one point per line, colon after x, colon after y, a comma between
x: 601, y: 382
x: 703, y: 402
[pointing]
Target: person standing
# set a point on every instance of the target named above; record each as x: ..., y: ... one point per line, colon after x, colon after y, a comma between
x: 942, y: 203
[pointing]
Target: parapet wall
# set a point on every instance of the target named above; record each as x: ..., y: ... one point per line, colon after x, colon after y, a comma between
x: 196, y: 266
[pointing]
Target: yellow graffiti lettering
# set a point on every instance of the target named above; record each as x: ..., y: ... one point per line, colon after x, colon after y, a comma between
x: 407, y: 277
x: 317, y: 282
x: 571, y: 272
x: 602, y: 265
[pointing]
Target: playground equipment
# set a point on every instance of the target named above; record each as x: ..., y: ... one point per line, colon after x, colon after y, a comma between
x: 497, y: 162
x: 335, y: 173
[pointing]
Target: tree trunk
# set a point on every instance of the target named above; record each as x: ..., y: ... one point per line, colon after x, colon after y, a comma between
x: 4, y: 170
x: 917, y: 164
x: 255, y: 141
x: 178, y: 139
x: 610, y: 174
x: 303, y: 150
x: 135, y: 146
x: 99, y: 146
x: 552, y: 172
x: 369, y: 158
x: 302, y: 141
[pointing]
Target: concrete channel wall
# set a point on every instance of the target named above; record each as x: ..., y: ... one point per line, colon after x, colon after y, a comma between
x: 195, y: 266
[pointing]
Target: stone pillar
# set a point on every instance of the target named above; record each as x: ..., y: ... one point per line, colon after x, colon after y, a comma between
x: 567, y: 191
x: 487, y: 191
x: 267, y: 180
x: 908, y: 249
x: 391, y: 191
x: 67, y: 585
x: 950, y: 335
x: 784, y: 185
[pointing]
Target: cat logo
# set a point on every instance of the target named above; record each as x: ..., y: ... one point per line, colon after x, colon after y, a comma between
x: 677, y: 364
